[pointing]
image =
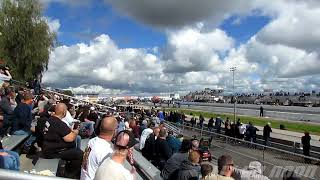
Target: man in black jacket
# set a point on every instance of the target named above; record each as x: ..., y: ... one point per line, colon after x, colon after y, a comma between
x: 266, y: 134
x: 162, y: 149
x: 148, y: 150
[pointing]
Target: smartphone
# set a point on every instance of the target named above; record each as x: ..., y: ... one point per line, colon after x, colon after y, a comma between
x: 76, y: 125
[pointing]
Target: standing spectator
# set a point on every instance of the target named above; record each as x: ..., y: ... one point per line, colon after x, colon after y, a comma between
x: 144, y: 135
x: 189, y: 169
x: 201, y: 120
x: 218, y: 124
x: 242, y: 130
x: 251, y: 134
x: 266, y: 134
x: 237, y: 129
x: 99, y: 148
x: 173, y: 164
x: 36, y: 86
x: 210, y: 124
x: 22, y: 116
x: 305, y: 141
x: 195, y: 144
x: 225, y: 169
x: 227, y: 127
x: 193, y: 121
x: 7, y: 109
x: 261, y: 111
x: 149, y: 147
x: 112, y: 168
x: 173, y: 142
x: 162, y: 149
x: 59, y: 142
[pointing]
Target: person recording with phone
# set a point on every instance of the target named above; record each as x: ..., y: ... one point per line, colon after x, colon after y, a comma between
x: 59, y: 142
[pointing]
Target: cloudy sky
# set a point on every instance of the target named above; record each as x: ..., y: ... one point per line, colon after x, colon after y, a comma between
x: 148, y: 47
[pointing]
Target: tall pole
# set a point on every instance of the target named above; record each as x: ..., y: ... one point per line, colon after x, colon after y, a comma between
x: 233, y: 69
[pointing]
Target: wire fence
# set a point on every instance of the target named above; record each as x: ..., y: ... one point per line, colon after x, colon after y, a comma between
x: 275, y: 161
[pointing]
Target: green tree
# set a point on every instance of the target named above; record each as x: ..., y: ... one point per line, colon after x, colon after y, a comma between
x: 67, y: 92
x: 25, y: 38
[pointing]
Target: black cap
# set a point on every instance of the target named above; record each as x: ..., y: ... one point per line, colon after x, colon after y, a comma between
x: 125, y: 139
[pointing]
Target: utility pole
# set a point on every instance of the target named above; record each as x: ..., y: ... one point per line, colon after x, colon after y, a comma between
x: 233, y: 69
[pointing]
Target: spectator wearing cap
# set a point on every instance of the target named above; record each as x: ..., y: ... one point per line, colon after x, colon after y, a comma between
x: 225, y: 169
x: 112, y: 168
x: 99, y: 148
x: 172, y: 165
x: 189, y: 169
x: 162, y: 149
x: 7, y: 109
x: 254, y: 171
x: 22, y: 116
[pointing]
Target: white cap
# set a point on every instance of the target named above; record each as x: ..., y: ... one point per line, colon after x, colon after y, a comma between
x: 92, y: 108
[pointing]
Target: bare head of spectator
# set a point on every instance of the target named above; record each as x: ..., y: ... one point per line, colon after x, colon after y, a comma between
x: 194, y: 157
x: 60, y: 110
x: 163, y: 133
x: 195, y: 144
x: 206, y: 169
x: 156, y: 131
x: 225, y: 165
x: 108, y: 128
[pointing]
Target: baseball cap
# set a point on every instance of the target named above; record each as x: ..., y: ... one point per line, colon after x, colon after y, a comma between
x: 92, y: 108
x: 125, y: 139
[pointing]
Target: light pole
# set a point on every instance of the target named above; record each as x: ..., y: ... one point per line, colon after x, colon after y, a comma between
x: 233, y: 69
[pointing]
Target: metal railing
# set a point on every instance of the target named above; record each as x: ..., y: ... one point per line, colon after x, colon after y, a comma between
x: 275, y: 161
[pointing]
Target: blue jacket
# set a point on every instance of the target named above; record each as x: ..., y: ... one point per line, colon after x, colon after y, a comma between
x: 174, y: 144
x: 22, y: 117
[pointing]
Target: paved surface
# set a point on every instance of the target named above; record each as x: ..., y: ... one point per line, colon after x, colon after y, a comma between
x: 274, y: 162
x: 292, y: 113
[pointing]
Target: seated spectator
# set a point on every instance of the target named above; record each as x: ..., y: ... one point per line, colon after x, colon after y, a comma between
x: 143, y: 126
x: 149, y: 147
x: 99, y: 148
x: 59, y: 141
x: 254, y: 171
x: 173, y: 142
x: 172, y: 165
x: 206, y: 170
x: 134, y: 128
x: 22, y: 116
x: 112, y: 168
x: 7, y: 109
x: 189, y: 169
x: 9, y: 159
x: 225, y: 169
x: 162, y: 149
x: 93, y: 115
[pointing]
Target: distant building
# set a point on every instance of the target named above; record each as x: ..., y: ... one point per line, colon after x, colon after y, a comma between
x: 91, y: 97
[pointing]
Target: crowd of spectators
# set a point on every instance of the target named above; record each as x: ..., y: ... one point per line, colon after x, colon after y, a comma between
x: 56, y: 126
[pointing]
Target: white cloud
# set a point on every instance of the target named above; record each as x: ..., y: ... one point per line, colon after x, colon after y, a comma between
x: 282, y: 55
x: 54, y: 24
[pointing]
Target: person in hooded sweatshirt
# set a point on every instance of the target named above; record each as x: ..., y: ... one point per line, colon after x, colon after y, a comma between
x: 172, y: 165
x: 254, y: 171
x: 189, y: 169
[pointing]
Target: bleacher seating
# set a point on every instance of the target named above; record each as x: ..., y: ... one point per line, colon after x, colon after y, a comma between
x: 13, y: 141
